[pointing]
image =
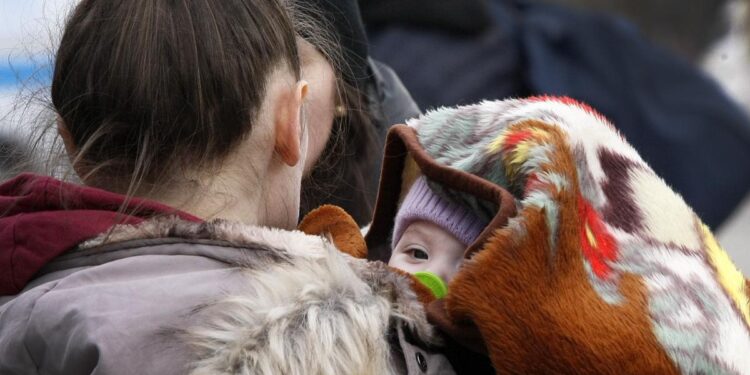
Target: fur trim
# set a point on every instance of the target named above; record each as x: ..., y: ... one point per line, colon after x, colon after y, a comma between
x: 237, y: 234
x: 309, y: 310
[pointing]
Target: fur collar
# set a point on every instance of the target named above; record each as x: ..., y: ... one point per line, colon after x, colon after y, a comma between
x: 309, y: 310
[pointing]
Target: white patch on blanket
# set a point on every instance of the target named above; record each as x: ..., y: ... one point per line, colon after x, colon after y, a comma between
x: 685, y: 319
x: 666, y: 216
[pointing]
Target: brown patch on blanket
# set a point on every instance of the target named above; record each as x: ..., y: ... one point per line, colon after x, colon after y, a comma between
x: 463, y: 332
x: 534, y: 305
x: 343, y: 230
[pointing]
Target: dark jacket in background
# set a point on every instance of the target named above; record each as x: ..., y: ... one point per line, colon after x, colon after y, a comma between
x: 681, y: 122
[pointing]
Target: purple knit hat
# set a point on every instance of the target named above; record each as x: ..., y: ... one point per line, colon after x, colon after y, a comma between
x: 421, y: 203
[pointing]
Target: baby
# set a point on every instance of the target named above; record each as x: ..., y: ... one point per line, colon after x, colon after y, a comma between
x: 430, y: 236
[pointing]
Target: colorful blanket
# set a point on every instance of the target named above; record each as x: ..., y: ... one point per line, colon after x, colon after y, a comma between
x: 591, y: 264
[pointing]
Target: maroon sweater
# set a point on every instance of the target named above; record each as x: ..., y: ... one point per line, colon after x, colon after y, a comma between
x: 42, y: 217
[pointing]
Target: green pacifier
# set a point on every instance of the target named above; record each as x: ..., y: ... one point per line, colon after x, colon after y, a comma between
x: 433, y: 282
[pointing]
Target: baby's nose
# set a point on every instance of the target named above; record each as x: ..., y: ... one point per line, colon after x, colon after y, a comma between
x: 444, y: 271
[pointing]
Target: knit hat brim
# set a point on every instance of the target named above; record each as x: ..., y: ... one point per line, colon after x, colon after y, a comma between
x: 421, y: 203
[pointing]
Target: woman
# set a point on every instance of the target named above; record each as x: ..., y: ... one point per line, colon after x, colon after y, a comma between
x: 188, y: 121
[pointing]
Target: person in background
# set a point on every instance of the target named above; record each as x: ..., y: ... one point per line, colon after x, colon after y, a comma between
x: 682, y: 122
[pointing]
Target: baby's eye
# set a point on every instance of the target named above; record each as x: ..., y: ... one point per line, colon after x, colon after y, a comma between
x: 419, y: 254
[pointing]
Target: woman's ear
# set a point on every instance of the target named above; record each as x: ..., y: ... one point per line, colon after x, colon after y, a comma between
x: 288, y: 124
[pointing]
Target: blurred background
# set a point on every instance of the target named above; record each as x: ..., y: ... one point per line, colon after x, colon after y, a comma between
x: 673, y: 75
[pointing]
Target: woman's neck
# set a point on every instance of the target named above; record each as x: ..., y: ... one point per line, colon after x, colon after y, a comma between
x: 253, y: 196
x: 216, y: 198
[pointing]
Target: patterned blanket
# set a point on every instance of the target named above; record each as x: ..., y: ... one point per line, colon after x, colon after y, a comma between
x: 591, y: 264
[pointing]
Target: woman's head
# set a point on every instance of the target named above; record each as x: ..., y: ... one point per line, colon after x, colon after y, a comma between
x: 155, y: 92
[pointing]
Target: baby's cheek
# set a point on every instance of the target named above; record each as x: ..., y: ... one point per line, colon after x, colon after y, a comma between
x: 400, y: 261
x: 450, y: 274
x: 454, y: 270
x: 392, y: 262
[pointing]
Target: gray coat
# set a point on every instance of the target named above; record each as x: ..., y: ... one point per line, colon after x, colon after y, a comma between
x: 172, y: 297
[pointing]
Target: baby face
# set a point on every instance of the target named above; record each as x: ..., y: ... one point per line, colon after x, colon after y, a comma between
x: 425, y: 246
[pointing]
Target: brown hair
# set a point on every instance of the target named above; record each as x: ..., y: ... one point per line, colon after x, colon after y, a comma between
x: 147, y: 87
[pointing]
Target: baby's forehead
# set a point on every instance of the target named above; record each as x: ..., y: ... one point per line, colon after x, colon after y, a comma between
x: 422, y: 228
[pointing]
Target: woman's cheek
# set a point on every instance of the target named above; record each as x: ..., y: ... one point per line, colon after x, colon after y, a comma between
x: 319, y: 109
x: 320, y: 126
